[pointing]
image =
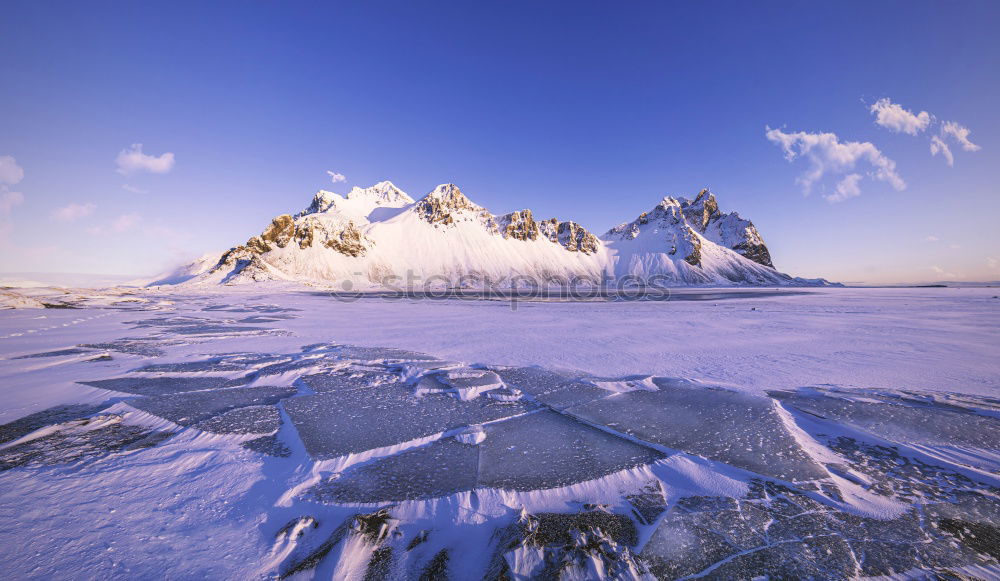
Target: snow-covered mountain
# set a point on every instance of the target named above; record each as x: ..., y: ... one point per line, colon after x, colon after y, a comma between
x: 380, y: 236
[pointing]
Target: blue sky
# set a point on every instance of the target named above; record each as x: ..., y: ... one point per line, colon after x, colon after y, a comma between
x: 585, y: 111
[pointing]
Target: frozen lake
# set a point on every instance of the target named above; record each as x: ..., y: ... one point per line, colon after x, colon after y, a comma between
x: 722, y: 434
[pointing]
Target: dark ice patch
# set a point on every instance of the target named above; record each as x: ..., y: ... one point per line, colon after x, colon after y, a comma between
x: 57, y: 353
x: 437, y: 469
x: 53, y: 415
x: 902, y: 420
x: 550, y: 388
x: 378, y: 354
x: 143, y: 347
x: 163, y: 385
x: 736, y: 428
x: 339, y: 422
x: 68, y: 446
x: 268, y: 445
x: 234, y: 362
x: 547, y: 450
x: 190, y: 408
x: 348, y: 379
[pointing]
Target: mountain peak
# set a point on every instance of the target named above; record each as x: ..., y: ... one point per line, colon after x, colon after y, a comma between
x: 448, y: 193
x: 382, y: 192
x: 446, y: 202
x: 358, y: 201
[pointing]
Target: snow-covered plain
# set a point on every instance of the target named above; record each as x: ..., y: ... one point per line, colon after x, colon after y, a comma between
x: 280, y: 431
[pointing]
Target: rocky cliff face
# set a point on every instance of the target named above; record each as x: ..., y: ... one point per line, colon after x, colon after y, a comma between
x: 521, y: 225
x: 729, y: 230
x: 571, y: 236
x: 374, y: 234
x: 683, y: 223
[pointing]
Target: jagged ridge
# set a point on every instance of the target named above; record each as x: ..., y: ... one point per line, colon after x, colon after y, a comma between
x: 376, y: 235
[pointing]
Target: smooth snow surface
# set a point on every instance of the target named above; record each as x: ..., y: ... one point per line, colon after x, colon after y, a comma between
x: 279, y: 431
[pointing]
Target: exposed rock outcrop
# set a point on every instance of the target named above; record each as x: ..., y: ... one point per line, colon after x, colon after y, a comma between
x: 280, y: 231
x: 518, y: 225
x: 447, y: 204
x: 349, y: 241
x: 570, y: 235
x: 729, y: 230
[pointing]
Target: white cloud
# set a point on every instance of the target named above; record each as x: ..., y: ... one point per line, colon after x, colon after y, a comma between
x: 954, y: 246
x: 939, y: 146
x: 942, y: 272
x: 336, y: 177
x: 932, y: 239
x: 846, y: 189
x: 133, y: 160
x: 993, y: 263
x: 828, y: 155
x: 133, y: 189
x: 954, y: 132
x: 8, y: 200
x: 960, y: 134
x: 10, y: 172
x: 123, y: 223
x: 73, y: 212
x: 893, y: 116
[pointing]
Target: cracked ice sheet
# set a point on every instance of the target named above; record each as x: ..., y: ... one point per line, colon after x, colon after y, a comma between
x: 207, y: 497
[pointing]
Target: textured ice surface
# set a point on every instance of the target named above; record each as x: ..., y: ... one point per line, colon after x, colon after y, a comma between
x: 386, y: 414
x: 79, y: 440
x: 735, y: 428
x: 894, y: 418
x: 349, y: 378
x: 378, y: 354
x: 550, y: 388
x: 197, y: 406
x: 530, y: 452
x: 141, y: 347
x: 56, y: 353
x: 547, y: 449
x: 162, y: 385
x: 54, y: 415
x: 437, y: 469
x: 780, y: 532
x: 257, y: 419
x: 233, y: 362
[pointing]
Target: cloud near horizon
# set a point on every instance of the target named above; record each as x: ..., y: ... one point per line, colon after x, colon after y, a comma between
x: 122, y: 223
x: 10, y: 172
x: 828, y: 155
x: 8, y: 200
x: 133, y: 160
x: 73, y: 212
x: 894, y: 117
